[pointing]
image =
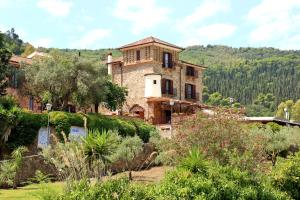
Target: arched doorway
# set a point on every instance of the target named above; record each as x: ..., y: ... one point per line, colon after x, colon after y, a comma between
x: 137, y: 111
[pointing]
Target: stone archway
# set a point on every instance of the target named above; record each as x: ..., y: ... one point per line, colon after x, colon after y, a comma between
x: 137, y: 111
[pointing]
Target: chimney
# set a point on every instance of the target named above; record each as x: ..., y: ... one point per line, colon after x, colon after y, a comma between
x: 109, y: 64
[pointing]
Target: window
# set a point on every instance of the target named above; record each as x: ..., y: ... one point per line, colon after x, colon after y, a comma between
x: 167, y: 86
x: 154, y: 81
x: 167, y: 60
x: 190, y: 71
x: 190, y: 91
x: 138, y: 55
x: 31, y: 100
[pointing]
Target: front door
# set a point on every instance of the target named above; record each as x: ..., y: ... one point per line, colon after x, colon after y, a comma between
x: 168, y: 116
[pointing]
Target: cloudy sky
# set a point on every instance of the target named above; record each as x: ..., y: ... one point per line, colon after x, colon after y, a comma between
x: 95, y: 24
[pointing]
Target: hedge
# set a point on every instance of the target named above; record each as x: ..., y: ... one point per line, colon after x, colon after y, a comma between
x: 28, y: 124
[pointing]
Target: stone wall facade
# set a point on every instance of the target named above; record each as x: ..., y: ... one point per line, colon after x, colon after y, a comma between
x: 131, y: 74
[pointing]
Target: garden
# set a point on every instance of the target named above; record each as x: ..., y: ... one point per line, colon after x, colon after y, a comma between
x: 213, y: 157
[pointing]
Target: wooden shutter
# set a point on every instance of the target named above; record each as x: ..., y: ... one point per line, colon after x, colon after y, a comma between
x: 163, y: 86
x: 163, y: 60
x: 138, y: 55
x: 170, y: 60
x: 171, y: 87
x: 186, y: 90
x: 196, y: 73
x: 193, y: 91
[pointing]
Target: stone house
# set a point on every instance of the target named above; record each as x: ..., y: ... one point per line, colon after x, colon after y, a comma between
x: 154, y: 76
x: 24, y: 100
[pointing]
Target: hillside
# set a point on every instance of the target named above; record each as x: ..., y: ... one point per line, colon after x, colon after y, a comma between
x: 244, y: 73
x: 241, y: 73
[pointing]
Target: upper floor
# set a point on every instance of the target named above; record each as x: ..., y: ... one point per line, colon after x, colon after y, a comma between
x: 146, y: 59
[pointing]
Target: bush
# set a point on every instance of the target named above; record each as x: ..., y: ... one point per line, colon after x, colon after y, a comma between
x: 62, y: 121
x: 25, y: 125
x: 286, y: 175
x: 125, y: 128
x: 7, y: 102
x: 143, y: 130
x: 26, y: 130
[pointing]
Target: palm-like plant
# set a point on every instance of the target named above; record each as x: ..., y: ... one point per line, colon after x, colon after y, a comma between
x: 100, y: 145
x: 9, y: 169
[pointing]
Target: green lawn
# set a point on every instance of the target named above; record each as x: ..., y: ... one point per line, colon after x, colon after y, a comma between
x: 30, y: 192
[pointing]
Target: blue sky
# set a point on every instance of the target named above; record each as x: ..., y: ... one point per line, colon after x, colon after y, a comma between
x: 94, y: 24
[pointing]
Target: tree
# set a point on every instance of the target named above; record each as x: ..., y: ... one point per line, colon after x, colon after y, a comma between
x: 116, y: 96
x: 4, y: 67
x: 129, y: 148
x: 289, y: 104
x: 62, y: 79
x: 29, y: 49
x: 13, y: 42
x: 296, y: 111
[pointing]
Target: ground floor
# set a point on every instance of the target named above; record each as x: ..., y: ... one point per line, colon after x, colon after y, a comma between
x: 160, y: 110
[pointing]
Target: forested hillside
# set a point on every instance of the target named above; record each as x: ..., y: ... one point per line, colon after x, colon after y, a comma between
x: 244, y: 73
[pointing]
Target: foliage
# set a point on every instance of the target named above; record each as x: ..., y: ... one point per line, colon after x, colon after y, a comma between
x: 5, y: 55
x: 217, y: 183
x: 125, y: 128
x: 69, y: 159
x: 129, y: 148
x: 9, y: 115
x: 100, y: 145
x: 62, y: 121
x: 9, y: 168
x: 289, y: 104
x: 219, y: 138
x: 195, y: 162
x: 216, y: 99
x: 25, y: 130
x: 278, y: 140
x: 13, y: 42
x: 59, y: 79
x: 22, y: 127
x: 116, y: 96
x: 286, y: 176
x: 244, y: 73
x: 40, y: 177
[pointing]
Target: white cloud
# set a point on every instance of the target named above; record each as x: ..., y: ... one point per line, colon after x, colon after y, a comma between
x: 142, y: 15
x: 275, y: 21
x: 209, y: 34
x: 42, y: 42
x: 56, y: 7
x: 196, y: 31
x: 4, y: 3
x: 206, y: 9
x: 90, y: 38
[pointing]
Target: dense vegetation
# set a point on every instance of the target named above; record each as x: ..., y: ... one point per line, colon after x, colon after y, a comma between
x: 20, y: 128
x: 215, y: 158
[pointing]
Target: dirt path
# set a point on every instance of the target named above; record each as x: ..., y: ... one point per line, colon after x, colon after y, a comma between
x: 155, y: 174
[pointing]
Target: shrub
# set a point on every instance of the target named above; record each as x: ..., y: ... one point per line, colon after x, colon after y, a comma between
x: 7, y: 102
x: 96, y: 121
x: 286, y: 175
x: 62, y: 121
x: 129, y: 148
x: 143, y: 130
x: 26, y: 130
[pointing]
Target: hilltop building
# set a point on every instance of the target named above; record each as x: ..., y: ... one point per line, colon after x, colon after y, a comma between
x: 156, y: 78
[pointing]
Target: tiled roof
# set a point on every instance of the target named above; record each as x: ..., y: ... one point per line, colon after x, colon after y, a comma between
x: 18, y: 60
x: 188, y: 63
x: 116, y: 60
x: 150, y: 40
